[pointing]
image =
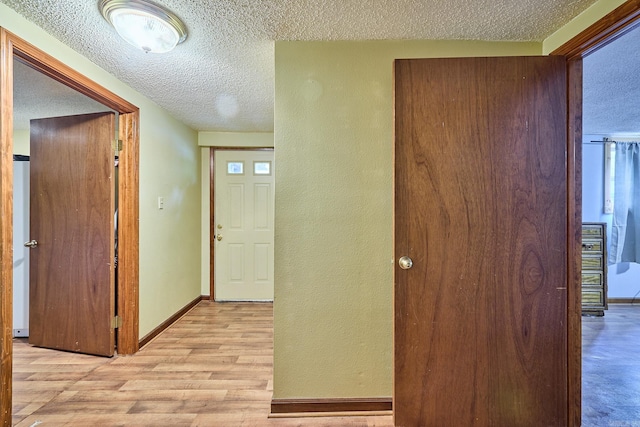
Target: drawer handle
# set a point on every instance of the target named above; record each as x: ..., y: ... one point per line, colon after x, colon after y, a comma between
x: 587, y: 247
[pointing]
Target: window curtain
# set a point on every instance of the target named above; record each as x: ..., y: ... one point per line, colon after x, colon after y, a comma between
x: 625, y: 238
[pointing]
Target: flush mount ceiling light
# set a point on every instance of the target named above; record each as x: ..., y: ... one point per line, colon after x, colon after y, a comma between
x: 144, y: 25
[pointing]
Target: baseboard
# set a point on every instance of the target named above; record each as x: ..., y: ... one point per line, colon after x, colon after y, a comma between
x: 623, y: 300
x: 21, y: 333
x: 331, y: 406
x: 170, y: 321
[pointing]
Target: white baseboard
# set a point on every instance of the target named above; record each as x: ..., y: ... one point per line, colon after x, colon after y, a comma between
x: 20, y: 333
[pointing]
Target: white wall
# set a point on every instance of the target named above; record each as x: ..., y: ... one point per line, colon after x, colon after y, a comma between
x: 20, y: 253
x: 624, y: 278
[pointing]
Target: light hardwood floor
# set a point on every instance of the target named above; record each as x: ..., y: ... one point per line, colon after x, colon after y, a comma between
x: 214, y: 368
x: 611, y: 368
x: 211, y: 368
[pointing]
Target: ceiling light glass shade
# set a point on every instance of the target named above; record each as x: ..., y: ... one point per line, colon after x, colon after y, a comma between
x: 144, y: 25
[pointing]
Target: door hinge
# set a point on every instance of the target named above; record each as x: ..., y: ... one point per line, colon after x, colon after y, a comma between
x: 117, y: 145
x: 116, y: 322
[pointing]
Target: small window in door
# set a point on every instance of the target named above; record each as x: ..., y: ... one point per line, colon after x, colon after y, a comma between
x: 262, y: 168
x: 235, y: 168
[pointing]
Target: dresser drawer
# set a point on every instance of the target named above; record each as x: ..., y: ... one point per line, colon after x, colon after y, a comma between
x: 594, y: 268
x: 592, y: 262
x: 591, y: 246
x: 592, y: 278
x: 592, y: 230
x: 592, y: 297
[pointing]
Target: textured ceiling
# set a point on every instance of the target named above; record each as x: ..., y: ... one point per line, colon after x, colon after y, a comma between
x: 31, y: 87
x: 222, y: 77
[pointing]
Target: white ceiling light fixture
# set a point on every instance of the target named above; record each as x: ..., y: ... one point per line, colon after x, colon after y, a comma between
x: 144, y: 25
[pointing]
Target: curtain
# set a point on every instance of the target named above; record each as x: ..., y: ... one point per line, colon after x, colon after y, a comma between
x: 625, y: 238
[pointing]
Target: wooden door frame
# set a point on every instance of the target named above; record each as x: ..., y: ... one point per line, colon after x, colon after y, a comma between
x: 212, y: 203
x: 12, y: 47
x: 615, y: 24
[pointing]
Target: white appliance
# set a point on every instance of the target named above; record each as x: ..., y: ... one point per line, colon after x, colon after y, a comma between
x: 20, y: 252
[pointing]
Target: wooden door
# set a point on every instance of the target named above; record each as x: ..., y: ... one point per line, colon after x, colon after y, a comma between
x: 480, y: 333
x: 244, y: 225
x: 72, y: 217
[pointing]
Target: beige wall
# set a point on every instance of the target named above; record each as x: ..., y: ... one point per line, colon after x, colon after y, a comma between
x: 334, y: 228
x: 235, y: 139
x: 21, y: 142
x: 218, y: 139
x: 169, y: 167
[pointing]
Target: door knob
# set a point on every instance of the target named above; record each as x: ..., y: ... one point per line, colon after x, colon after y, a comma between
x: 405, y: 263
x: 219, y: 237
x: 31, y: 244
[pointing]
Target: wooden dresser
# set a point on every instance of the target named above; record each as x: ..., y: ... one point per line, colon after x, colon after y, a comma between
x: 594, y: 268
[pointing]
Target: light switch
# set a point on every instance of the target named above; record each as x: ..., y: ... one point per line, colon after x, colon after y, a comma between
x: 160, y: 202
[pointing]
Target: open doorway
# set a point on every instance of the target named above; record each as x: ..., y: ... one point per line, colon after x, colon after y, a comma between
x: 36, y: 96
x: 128, y: 120
x: 611, y: 107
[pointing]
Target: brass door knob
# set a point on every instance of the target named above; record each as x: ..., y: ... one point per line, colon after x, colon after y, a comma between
x: 31, y: 244
x: 405, y: 263
x: 219, y: 237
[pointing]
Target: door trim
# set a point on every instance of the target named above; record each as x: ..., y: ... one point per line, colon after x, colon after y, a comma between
x: 128, y: 231
x: 212, y: 205
x: 608, y: 28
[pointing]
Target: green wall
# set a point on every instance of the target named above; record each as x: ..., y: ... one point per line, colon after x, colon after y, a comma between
x: 169, y: 167
x: 334, y: 227
x: 334, y: 255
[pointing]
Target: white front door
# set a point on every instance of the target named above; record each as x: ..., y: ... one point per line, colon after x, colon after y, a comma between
x: 243, y: 225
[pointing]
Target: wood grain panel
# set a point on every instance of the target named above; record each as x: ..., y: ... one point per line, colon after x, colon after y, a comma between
x: 128, y: 234
x: 344, y: 405
x: 6, y: 227
x: 212, y: 229
x: 574, y: 238
x: 71, y: 275
x: 481, y: 208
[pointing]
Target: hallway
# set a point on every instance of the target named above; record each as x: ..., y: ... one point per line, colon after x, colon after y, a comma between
x: 214, y: 368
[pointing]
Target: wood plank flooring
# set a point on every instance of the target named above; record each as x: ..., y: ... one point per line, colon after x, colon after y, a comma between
x: 214, y: 368
x: 611, y: 368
